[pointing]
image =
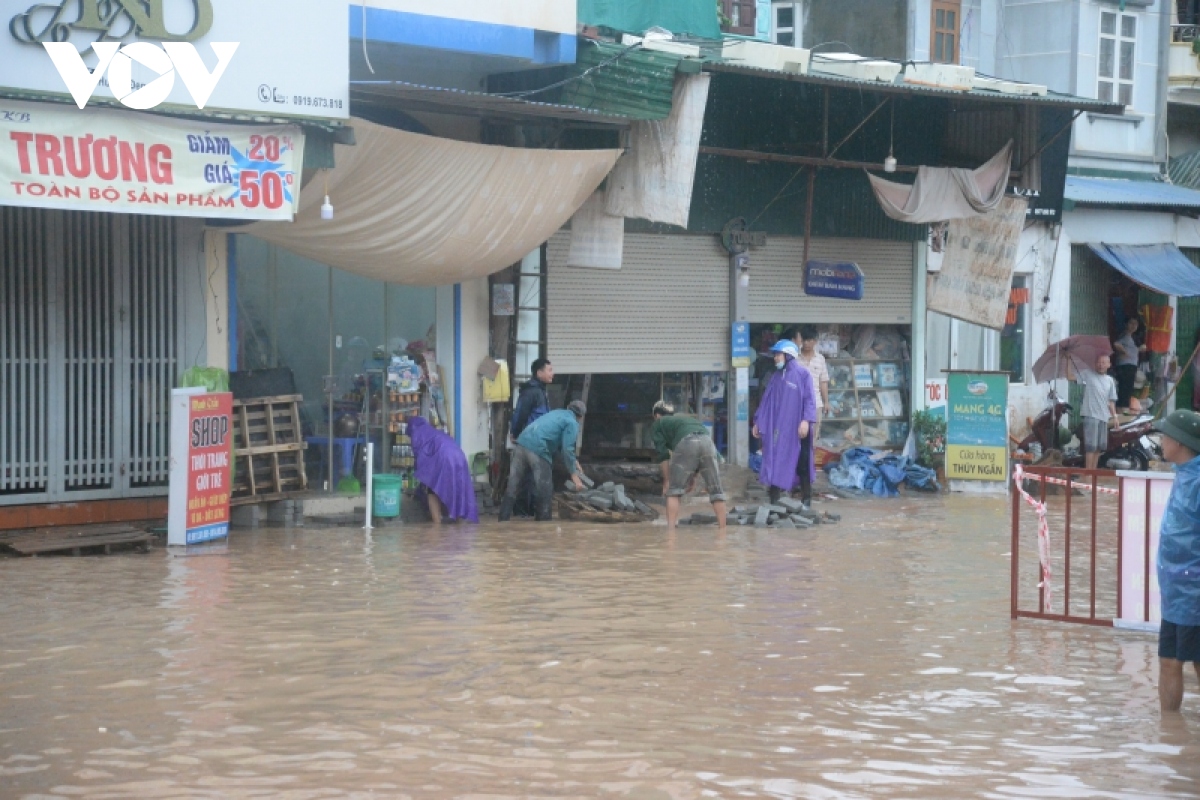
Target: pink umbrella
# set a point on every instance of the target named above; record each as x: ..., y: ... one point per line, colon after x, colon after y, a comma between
x: 1080, y: 352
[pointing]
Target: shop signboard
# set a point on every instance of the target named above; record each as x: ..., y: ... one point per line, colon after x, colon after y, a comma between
x: 201, y: 466
x: 977, y: 426
x: 54, y: 156
x: 743, y: 356
x: 975, y: 280
x: 842, y: 280
x: 219, y: 55
x: 935, y: 397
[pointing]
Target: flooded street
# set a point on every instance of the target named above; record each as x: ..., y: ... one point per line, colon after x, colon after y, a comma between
x: 874, y: 658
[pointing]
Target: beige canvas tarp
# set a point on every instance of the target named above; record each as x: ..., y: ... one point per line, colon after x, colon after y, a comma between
x: 426, y: 211
x: 941, y: 194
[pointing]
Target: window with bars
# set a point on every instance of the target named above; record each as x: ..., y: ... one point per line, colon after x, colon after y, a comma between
x: 739, y: 16
x: 943, y: 44
x: 1118, y: 36
x: 787, y: 24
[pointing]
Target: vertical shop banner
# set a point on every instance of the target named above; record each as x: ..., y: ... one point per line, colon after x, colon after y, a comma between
x: 975, y: 280
x: 977, y: 426
x: 201, y: 461
x: 56, y: 156
x: 743, y: 356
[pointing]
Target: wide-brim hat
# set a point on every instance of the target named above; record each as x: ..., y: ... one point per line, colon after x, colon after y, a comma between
x: 1183, y: 427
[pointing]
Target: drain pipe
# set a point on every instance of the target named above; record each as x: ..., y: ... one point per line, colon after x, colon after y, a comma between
x: 370, y: 479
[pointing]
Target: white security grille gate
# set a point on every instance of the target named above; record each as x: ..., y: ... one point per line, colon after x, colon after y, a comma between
x: 88, y: 354
x: 665, y: 310
x: 777, y: 295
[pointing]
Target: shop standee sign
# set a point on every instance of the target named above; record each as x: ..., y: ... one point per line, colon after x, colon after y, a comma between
x: 201, y: 466
x: 55, y: 156
x: 977, y: 426
x: 743, y: 356
x: 840, y: 280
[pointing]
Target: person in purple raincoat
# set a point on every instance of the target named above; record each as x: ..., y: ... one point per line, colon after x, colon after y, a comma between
x: 784, y: 421
x: 441, y: 468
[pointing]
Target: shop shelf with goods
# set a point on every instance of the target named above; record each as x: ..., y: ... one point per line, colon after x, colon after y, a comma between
x: 385, y: 415
x: 867, y: 404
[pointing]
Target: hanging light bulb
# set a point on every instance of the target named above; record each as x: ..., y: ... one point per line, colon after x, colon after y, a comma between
x: 327, y: 207
x: 889, y: 163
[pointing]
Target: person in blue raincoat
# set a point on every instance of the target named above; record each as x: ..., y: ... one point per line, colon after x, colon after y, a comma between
x: 1179, y: 558
x: 784, y: 421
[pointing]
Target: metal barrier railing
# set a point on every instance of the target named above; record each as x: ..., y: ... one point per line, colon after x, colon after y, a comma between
x: 1185, y: 33
x: 1120, y: 535
x: 1102, y: 541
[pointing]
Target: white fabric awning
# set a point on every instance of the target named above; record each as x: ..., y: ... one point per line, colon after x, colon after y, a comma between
x: 426, y: 211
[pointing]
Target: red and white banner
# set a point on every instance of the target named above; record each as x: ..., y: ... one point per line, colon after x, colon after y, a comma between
x: 57, y: 156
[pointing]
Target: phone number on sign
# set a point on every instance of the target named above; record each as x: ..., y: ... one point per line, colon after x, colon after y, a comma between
x: 316, y: 102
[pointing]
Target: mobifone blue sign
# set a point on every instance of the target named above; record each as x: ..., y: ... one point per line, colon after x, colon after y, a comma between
x: 840, y: 279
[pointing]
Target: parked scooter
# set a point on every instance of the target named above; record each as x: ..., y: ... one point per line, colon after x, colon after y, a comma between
x: 1130, y: 446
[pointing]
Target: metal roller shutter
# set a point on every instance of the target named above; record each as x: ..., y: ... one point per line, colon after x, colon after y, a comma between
x: 665, y: 310
x: 777, y: 283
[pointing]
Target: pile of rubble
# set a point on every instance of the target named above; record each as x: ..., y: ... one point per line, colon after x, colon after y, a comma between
x: 786, y: 513
x: 606, y: 503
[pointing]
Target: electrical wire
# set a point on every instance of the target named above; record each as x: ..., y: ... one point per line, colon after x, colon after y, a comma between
x: 574, y: 78
x: 366, y: 57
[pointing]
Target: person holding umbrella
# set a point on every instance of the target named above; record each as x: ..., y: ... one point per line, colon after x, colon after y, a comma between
x: 784, y: 421
x: 1085, y: 360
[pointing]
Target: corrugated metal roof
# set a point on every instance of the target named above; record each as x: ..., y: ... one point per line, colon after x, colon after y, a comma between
x: 1118, y: 192
x: 626, y: 81
x: 459, y: 101
x: 816, y: 77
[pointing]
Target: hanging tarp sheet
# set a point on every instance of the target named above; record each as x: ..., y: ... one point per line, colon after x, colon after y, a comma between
x: 940, y: 194
x: 425, y: 211
x: 654, y: 180
x: 697, y: 17
x: 597, y: 238
x: 1159, y: 267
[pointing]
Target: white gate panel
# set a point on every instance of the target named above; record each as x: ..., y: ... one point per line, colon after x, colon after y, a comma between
x: 776, y: 293
x: 665, y: 310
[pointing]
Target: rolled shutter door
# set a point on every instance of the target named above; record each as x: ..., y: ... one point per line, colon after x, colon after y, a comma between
x: 665, y: 310
x: 777, y: 282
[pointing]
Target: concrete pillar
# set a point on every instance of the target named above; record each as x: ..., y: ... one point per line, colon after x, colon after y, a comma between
x: 916, y: 400
x: 738, y: 385
x: 216, y: 298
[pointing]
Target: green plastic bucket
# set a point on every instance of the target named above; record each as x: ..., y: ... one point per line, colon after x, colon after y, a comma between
x: 387, y: 493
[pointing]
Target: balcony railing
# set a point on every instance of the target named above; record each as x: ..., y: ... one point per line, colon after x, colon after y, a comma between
x: 1185, y: 33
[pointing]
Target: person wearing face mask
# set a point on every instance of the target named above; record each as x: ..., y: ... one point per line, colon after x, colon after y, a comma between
x: 784, y: 422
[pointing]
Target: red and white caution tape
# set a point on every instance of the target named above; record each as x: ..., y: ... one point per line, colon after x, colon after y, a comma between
x: 1043, y: 530
x: 1083, y: 486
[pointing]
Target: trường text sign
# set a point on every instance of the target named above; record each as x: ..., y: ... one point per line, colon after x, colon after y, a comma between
x: 977, y: 426
x: 56, y: 156
x: 201, y: 461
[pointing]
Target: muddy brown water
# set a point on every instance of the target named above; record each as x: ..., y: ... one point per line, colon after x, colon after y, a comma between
x: 874, y: 658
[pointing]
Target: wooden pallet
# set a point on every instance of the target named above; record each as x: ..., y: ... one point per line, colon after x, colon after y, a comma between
x: 76, y: 539
x: 268, y: 448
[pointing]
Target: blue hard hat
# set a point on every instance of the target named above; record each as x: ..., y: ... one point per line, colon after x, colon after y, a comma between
x: 786, y: 346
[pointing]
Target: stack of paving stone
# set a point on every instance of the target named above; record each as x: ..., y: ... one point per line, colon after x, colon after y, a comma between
x: 787, y: 514
x: 605, y: 503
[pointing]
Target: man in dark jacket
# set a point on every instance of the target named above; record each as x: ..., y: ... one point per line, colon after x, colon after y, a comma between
x: 532, y: 401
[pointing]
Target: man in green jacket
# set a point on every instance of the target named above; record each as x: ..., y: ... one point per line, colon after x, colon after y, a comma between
x: 533, y: 458
x: 685, y: 450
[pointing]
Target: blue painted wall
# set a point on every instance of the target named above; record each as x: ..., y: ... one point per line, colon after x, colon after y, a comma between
x: 462, y: 36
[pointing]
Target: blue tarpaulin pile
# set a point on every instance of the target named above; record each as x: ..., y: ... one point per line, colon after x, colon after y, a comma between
x: 866, y: 470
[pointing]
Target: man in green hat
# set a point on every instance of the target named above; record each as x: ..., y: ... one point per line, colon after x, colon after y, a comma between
x: 1179, y: 558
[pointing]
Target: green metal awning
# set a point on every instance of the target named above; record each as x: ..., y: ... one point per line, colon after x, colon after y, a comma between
x: 623, y: 81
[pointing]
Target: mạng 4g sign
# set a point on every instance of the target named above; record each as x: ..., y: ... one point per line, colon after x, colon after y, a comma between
x: 52, y: 27
x: 145, y: 53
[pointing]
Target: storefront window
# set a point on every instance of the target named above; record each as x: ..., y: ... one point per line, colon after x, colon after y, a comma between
x: 283, y: 320
x: 1014, y: 336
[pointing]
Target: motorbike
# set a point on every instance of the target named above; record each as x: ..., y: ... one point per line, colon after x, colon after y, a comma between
x: 1131, y: 446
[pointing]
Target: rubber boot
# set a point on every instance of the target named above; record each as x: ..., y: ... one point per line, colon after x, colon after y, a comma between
x: 774, y: 493
x: 506, y: 507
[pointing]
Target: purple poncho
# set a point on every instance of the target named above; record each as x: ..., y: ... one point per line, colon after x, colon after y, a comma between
x: 787, y: 401
x: 442, y: 467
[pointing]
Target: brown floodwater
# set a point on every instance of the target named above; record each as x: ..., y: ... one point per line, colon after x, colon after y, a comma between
x: 874, y: 658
